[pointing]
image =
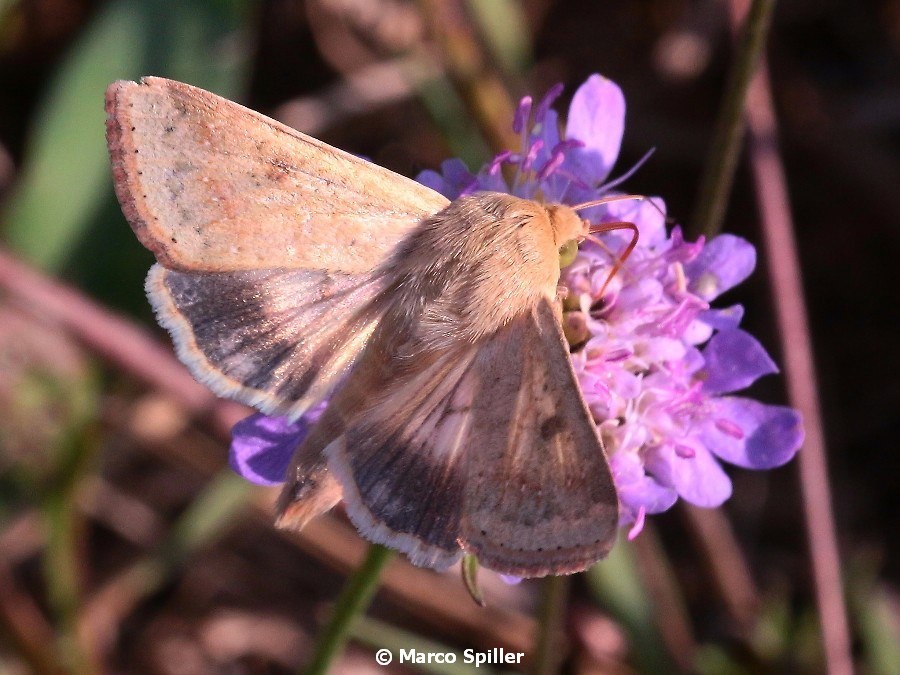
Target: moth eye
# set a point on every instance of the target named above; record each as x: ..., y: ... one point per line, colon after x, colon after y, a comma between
x: 567, y: 253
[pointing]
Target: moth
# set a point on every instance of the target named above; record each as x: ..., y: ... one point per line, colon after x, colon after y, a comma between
x: 290, y: 272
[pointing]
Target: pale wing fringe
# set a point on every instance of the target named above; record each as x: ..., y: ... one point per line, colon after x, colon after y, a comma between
x: 399, y: 488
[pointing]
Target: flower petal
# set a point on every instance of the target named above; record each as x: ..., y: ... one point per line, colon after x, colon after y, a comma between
x: 734, y: 360
x: 597, y: 119
x: 639, y: 518
x: 697, y: 332
x: 648, y: 214
x: 698, y: 479
x: 722, y: 264
x: 453, y: 180
x: 435, y: 181
x: 723, y: 319
x: 660, y: 349
x: 554, y: 185
x: 490, y: 182
x: 636, y: 489
x: 769, y: 435
x: 262, y: 446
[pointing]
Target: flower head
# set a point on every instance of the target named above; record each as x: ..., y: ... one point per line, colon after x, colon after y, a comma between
x: 654, y: 361
x: 657, y: 365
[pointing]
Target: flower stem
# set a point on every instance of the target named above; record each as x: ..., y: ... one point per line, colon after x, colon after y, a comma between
x: 553, y: 607
x: 64, y: 563
x: 784, y: 270
x: 715, y: 186
x: 355, y: 597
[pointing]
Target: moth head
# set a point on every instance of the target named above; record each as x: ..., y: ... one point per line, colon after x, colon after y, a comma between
x: 568, y: 230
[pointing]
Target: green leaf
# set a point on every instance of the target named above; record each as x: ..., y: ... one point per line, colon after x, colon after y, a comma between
x: 66, y: 167
x: 617, y: 586
x: 470, y: 579
x: 64, y: 216
x: 504, y: 26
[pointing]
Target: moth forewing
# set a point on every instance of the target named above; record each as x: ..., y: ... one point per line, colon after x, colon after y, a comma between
x: 231, y: 202
x: 540, y: 498
x: 207, y: 184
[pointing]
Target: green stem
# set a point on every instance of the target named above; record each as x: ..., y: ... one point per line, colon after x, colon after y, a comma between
x: 553, y: 607
x: 715, y: 186
x: 63, y: 560
x: 354, y: 599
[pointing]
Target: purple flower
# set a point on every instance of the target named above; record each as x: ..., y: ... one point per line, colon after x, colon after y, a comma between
x: 262, y: 446
x: 655, y: 362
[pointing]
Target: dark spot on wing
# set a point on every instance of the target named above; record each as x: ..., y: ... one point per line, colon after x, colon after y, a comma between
x: 280, y: 169
x: 551, y: 426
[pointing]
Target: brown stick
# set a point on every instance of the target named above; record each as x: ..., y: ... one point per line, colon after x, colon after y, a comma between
x: 25, y: 626
x: 469, y: 68
x: 671, y: 614
x: 728, y: 568
x: 796, y: 344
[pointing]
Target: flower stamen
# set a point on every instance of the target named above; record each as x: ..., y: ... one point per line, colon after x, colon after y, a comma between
x: 729, y: 428
x: 685, y: 451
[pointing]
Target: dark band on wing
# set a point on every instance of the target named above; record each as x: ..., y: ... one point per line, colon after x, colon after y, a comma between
x: 406, y: 487
x: 400, y: 460
x: 265, y: 336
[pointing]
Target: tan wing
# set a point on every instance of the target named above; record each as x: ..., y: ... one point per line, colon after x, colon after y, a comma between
x: 207, y: 184
x: 540, y: 498
x: 487, y: 448
x: 279, y: 340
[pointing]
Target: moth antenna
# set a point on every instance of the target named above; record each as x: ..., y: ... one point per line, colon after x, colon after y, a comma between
x: 628, y: 174
x: 600, y: 228
x: 621, y: 198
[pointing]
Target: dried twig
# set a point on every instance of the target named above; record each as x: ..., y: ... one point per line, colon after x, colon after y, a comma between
x: 729, y: 572
x: 670, y: 611
x: 369, y: 88
x: 796, y: 345
x: 725, y: 150
x: 23, y: 624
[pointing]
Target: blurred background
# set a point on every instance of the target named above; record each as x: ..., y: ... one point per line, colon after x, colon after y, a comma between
x: 126, y: 545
